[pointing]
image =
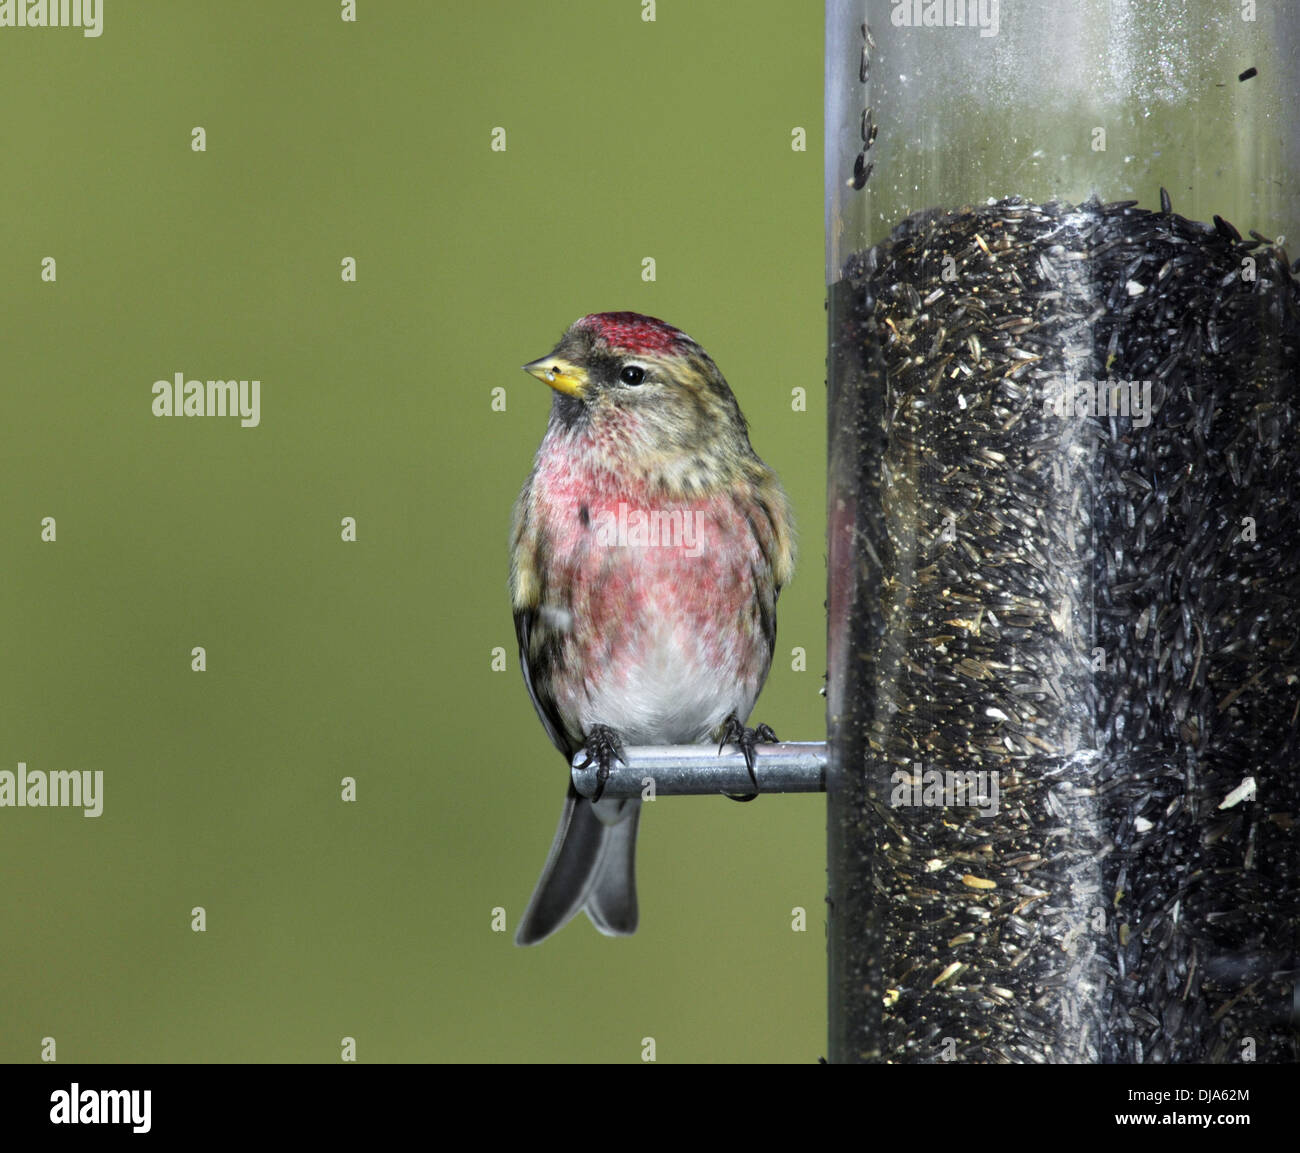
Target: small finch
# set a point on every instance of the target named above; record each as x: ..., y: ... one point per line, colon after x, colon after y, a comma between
x: 650, y: 544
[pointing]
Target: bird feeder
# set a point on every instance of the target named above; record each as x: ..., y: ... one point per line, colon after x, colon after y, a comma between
x: 1064, y: 530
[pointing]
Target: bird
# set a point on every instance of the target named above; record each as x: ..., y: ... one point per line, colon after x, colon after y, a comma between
x: 649, y: 546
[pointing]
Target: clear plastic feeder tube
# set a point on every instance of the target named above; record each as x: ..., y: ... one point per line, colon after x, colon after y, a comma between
x: 1064, y: 539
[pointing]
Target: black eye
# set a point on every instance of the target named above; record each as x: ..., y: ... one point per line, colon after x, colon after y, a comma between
x: 632, y: 374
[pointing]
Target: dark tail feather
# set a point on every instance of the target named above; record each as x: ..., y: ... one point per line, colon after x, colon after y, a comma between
x: 611, y: 903
x: 591, y: 865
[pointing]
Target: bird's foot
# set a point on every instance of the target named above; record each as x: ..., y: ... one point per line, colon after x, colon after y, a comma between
x: 734, y: 733
x: 604, y: 748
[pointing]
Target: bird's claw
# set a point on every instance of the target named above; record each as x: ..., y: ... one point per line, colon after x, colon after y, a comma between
x: 734, y: 733
x: 604, y: 747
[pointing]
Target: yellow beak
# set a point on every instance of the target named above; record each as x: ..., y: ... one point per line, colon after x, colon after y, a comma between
x: 562, y: 375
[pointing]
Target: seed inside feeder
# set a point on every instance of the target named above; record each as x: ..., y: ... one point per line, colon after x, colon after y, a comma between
x: 1070, y: 434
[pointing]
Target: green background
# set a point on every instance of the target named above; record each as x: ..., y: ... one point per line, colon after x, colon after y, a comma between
x: 625, y: 139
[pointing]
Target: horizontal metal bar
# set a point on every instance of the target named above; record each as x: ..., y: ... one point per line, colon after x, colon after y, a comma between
x: 688, y: 770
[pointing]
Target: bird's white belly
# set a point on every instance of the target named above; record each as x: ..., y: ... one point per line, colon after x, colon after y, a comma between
x: 669, y: 695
